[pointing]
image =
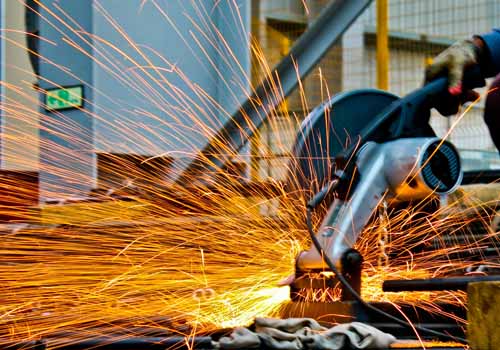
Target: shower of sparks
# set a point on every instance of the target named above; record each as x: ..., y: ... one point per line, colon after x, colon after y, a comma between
x: 151, y: 256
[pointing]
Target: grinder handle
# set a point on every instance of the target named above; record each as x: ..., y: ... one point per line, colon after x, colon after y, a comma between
x: 409, y: 115
x: 414, y: 109
x: 439, y: 87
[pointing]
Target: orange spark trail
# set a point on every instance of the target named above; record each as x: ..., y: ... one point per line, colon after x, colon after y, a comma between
x: 188, y: 260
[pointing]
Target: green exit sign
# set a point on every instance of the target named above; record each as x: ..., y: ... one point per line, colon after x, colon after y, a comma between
x: 64, y: 98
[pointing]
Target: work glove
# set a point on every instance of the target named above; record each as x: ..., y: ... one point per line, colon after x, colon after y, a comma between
x: 452, y: 63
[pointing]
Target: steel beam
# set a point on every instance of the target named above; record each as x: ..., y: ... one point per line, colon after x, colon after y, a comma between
x: 435, y: 284
x: 334, y: 20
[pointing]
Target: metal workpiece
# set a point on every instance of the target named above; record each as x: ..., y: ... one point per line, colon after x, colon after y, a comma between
x: 403, y: 169
x: 120, y: 343
x: 352, y: 266
x: 333, y: 21
x: 435, y: 284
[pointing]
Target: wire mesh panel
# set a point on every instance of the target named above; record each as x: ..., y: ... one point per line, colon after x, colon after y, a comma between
x: 418, y: 31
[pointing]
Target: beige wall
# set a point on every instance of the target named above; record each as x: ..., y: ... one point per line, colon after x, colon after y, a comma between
x: 20, y: 101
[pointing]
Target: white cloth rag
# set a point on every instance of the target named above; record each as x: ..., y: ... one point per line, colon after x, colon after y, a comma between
x: 305, y: 333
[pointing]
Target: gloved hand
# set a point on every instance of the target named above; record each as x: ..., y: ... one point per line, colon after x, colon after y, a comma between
x: 452, y: 62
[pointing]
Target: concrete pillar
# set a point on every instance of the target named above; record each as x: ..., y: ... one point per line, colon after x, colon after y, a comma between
x: 173, y: 76
x: 66, y: 147
x: 19, y: 131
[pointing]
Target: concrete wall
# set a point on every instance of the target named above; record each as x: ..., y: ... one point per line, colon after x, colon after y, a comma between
x: 159, y: 78
x: 67, y: 162
x: 19, y: 117
x: 183, y: 70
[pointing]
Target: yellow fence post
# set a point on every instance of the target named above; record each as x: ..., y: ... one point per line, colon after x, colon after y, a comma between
x: 382, y: 44
x: 255, y: 141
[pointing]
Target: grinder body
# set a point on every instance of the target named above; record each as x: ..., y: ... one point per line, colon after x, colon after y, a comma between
x: 375, y: 145
x: 402, y: 170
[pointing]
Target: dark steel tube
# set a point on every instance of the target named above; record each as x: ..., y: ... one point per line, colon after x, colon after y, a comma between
x: 434, y: 284
x: 143, y: 343
x: 25, y: 345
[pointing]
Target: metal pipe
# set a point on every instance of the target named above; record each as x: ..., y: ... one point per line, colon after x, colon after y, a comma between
x: 24, y: 345
x: 132, y: 343
x: 382, y: 45
x: 305, y: 53
x: 434, y: 284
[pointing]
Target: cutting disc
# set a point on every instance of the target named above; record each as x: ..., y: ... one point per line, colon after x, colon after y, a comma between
x: 328, y: 129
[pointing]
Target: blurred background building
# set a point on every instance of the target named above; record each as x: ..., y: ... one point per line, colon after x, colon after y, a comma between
x: 141, y: 70
x: 73, y: 50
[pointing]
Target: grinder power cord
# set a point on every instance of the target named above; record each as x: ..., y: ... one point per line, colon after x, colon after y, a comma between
x: 345, y: 284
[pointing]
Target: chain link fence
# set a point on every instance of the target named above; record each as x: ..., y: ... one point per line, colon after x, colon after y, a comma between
x: 418, y: 30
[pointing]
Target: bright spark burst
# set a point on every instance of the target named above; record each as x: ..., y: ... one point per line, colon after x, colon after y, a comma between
x: 206, y: 258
